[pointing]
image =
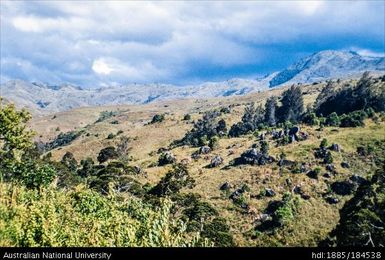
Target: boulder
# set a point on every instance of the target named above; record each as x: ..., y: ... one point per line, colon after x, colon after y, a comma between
x: 269, y: 192
x: 332, y: 200
x: 358, y: 179
x: 253, y: 157
x: 343, y: 187
x: 284, y: 162
x: 313, y: 174
x: 294, y: 130
x: 330, y: 167
x: 225, y: 186
x: 216, y: 161
x: 335, y: 147
x: 204, y: 149
x: 345, y: 165
x: 327, y: 175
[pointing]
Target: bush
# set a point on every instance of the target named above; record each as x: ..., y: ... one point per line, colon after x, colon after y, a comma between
x: 187, y: 117
x: 34, y: 175
x: 157, y: 118
x: 64, y: 139
x: 110, y: 136
x: 204, y: 129
x: 333, y: 120
x: 354, y: 119
x: 173, y: 182
x: 107, y: 153
x: 166, y: 158
x: 83, y: 218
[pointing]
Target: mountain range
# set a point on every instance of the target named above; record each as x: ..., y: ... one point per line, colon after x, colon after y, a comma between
x: 44, y: 98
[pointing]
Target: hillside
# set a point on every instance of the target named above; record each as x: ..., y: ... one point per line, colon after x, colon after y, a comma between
x: 294, y: 200
x: 44, y: 98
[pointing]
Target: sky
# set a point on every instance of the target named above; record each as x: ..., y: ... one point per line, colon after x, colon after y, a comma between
x: 102, y: 43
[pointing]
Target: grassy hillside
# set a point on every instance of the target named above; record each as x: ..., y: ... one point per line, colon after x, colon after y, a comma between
x: 296, y: 203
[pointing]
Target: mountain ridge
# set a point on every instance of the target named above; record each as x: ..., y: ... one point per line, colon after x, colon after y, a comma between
x: 329, y: 64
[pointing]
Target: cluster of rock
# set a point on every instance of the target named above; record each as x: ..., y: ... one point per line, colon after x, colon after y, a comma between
x: 254, y: 157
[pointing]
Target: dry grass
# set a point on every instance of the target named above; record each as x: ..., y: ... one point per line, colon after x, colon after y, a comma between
x: 315, y: 217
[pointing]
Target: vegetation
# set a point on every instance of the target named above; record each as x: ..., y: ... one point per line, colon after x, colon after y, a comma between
x: 281, y: 176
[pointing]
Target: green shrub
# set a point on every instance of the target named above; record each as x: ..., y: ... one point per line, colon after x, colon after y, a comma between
x: 158, y: 118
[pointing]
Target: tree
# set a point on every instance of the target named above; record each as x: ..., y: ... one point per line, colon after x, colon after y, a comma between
x: 15, y: 137
x: 327, y: 92
x: 173, y: 182
x: 69, y: 161
x: 270, y: 111
x: 292, y: 105
x: 107, y: 153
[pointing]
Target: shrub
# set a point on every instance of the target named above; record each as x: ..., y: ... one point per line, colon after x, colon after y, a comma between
x: 166, y: 158
x: 110, y: 136
x: 64, y: 139
x: 187, y: 117
x: 84, y: 218
x: 353, y: 119
x: 204, y: 129
x: 107, y: 153
x: 173, y: 182
x: 333, y: 120
x: 158, y: 118
x: 105, y: 115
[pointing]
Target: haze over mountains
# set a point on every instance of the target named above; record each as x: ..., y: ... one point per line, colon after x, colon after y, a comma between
x: 43, y: 98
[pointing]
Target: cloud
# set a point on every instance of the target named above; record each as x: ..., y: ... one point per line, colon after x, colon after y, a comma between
x: 101, y: 67
x: 108, y: 42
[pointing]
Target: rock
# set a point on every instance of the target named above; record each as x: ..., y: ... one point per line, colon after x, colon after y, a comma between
x: 185, y: 161
x: 303, y: 168
x: 204, y: 149
x: 261, y: 218
x: 225, y: 186
x: 162, y: 150
x: 253, y: 157
x: 313, y: 174
x: 343, y: 187
x: 335, y: 147
x: 345, y: 165
x: 330, y: 167
x: 137, y: 169
x: 195, y: 156
x: 327, y: 175
x: 166, y: 158
x: 358, y: 179
x: 332, y: 200
x: 298, y: 190
x: 288, y: 182
x: 294, y: 130
x: 216, y: 161
x: 284, y: 162
x: 269, y: 192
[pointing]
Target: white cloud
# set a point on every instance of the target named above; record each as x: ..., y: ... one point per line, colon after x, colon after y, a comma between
x: 108, y: 41
x: 101, y: 67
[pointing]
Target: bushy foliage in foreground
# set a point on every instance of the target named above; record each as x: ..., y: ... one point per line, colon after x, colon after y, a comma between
x: 81, y: 217
x: 362, y: 220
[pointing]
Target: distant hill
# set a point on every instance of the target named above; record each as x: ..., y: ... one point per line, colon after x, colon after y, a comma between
x: 327, y: 64
x: 44, y: 98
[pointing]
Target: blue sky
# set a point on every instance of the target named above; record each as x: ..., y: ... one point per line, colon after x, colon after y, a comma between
x: 99, y: 43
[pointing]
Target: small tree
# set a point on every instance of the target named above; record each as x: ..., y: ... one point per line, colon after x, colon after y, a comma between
x: 292, y: 105
x: 107, y: 153
x: 270, y: 111
x: 69, y: 161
